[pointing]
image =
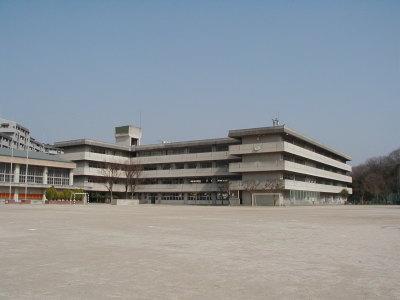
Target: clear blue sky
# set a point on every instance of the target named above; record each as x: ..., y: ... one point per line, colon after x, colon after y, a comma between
x: 195, y: 69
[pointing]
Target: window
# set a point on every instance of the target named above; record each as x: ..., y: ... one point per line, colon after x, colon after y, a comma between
x: 35, y: 174
x: 172, y: 196
x: 222, y: 164
x: 205, y: 165
x: 200, y: 149
x: 149, y: 167
x: 98, y: 150
x: 6, y: 175
x: 58, y: 176
x: 176, y: 151
x: 222, y: 148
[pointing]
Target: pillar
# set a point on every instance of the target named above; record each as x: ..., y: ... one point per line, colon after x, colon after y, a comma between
x: 16, y: 195
x: 214, y: 198
x: 71, y: 177
x: 16, y: 173
x: 158, y: 199
x: 45, y: 172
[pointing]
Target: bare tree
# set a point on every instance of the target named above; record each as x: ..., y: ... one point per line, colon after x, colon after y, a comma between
x: 375, y: 180
x: 269, y: 185
x: 110, y: 174
x: 223, y: 189
x: 250, y: 185
x: 132, y: 173
x: 273, y: 185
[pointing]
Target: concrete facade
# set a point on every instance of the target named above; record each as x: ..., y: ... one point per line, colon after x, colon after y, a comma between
x: 24, y: 177
x: 14, y: 135
x: 257, y: 166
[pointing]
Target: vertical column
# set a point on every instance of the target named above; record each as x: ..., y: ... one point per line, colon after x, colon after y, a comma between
x: 45, y: 172
x: 158, y: 198
x: 214, y: 199
x: 16, y: 173
x: 71, y: 177
x: 16, y: 195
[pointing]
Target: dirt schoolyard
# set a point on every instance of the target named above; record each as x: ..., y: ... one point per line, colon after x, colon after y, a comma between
x: 189, y: 252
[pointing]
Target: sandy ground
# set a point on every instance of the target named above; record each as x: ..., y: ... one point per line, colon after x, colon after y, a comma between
x: 186, y: 252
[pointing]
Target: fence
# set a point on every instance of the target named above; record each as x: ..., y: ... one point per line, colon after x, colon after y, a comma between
x: 390, y: 199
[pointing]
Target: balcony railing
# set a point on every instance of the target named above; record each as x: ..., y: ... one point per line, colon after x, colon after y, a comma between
x: 289, y: 148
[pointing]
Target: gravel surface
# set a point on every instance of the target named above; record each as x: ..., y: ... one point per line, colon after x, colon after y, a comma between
x: 189, y: 252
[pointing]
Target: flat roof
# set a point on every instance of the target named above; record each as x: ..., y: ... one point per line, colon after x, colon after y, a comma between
x: 193, y: 143
x: 80, y: 142
x: 237, y: 133
x: 204, y: 142
x: 231, y: 139
x: 31, y: 155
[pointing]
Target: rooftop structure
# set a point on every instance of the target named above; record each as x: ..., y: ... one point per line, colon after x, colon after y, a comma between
x: 128, y: 135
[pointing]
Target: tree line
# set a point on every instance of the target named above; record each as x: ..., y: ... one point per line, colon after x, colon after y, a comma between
x: 377, y: 180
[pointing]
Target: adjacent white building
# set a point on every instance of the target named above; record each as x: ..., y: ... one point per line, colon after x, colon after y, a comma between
x: 14, y: 135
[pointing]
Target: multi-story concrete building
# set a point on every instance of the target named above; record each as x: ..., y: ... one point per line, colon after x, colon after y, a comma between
x: 14, y: 135
x: 24, y: 176
x: 257, y: 166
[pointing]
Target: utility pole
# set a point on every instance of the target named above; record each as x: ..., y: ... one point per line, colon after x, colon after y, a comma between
x: 11, y: 172
x: 26, y: 174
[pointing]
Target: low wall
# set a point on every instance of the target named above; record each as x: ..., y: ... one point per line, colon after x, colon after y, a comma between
x: 125, y: 202
x: 22, y: 201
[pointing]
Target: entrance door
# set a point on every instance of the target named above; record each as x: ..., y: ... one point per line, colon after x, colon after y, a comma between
x: 265, y: 199
x: 151, y: 198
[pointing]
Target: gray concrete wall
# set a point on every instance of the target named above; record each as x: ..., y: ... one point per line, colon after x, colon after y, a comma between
x: 261, y: 139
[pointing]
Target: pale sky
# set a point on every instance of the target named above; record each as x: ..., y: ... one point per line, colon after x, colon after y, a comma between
x: 195, y: 69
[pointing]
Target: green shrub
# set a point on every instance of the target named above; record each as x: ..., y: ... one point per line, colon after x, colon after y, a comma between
x: 78, y: 197
x: 51, y: 193
x: 66, y: 194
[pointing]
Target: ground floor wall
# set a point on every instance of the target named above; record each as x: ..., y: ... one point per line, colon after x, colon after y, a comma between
x: 209, y: 198
x: 290, y: 198
x: 246, y: 198
x: 18, y: 194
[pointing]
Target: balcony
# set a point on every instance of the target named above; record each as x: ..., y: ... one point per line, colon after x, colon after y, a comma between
x: 240, y: 167
x: 170, y: 173
x: 79, y: 156
x: 177, y: 173
x: 314, y: 187
x: 156, y: 188
x: 307, y: 170
x: 176, y: 158
x: 296, y: 150
x: 255, y: 148
x: 281, y: 165
x: 289, y: 148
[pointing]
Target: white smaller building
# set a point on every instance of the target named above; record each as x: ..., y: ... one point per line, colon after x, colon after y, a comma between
x: 25, y: 175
